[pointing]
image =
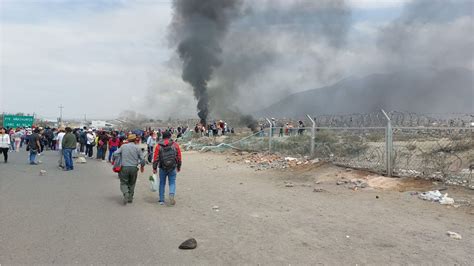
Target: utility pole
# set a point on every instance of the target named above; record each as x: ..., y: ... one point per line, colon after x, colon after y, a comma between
x: 61, y: 114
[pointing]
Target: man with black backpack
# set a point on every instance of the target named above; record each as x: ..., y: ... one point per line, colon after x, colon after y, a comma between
x: 167, y: 158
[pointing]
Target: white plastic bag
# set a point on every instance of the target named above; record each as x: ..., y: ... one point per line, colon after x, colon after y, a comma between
x: 153, y: 183
x: 445, y: 200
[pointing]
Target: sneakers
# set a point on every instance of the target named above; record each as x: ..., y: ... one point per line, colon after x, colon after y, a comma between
x: 172, y: 201
x: 161, y: 202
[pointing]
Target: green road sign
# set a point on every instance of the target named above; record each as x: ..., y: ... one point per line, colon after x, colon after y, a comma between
x: 14, y: 121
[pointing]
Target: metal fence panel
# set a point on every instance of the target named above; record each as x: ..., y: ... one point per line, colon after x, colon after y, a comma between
x: 438, y: 153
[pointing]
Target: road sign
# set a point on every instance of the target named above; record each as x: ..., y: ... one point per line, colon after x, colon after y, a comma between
x: 14, y: 121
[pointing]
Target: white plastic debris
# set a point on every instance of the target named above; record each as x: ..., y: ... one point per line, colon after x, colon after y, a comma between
x: 81, y: 160
x: 454, y: 235
x: 42, y: 172
x: 433, y: 195
x: 436, y: 196
x: 290, y: 159
x: 445, y: 200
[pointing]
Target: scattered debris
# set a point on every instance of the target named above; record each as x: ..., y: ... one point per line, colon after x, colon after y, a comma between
x: 319, y: 190
x: 215, y: 208
x: 265, y: 161
x: 81, y: 160
x: 189, y: 244
x: 354, y: 184
x: 291, y: 159
x: 342, y: 182
x: 358, y: 183
x: 436, y: 196
x: 445, y: 200
x: 289, y: 184
x: 454, y: 235
x: 433, y: 195
x: 377, y: 197
x: 42, y: 172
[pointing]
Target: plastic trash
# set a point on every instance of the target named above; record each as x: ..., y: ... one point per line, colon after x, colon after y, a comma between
x: 153, y: 182
x: 434, y: 195
x: 454, y: 235
x: 445, y: 200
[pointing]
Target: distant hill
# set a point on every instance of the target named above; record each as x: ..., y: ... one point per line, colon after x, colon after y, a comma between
x: 421, y: 91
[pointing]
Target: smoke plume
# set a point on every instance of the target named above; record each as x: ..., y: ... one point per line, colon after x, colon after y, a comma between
x: 242, y: 56
x: 435, y: 34
x: 278, y: 47
x: 197, y: 29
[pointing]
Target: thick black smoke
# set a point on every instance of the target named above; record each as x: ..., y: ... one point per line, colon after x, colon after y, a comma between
x: 197, y: 29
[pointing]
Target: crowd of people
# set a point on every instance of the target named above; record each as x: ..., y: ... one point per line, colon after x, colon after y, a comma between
x: 120, y: 148
x: 213, y: 129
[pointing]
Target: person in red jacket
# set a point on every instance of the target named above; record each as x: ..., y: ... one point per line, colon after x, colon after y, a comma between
x: 167, y: 158
x: 114, y: 143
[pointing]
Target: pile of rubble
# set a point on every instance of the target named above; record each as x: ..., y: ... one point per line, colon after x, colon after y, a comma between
x: 263, y: 161
x: 353, y: 184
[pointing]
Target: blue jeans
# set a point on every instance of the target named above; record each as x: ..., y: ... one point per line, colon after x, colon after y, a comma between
x: 111, y: 152
x: 68, y: 158
x: 33, y: 154
x: 99, y: 152
x: 172, y: 182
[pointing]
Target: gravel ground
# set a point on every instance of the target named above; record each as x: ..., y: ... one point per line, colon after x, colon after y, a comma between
x: 76, y: 217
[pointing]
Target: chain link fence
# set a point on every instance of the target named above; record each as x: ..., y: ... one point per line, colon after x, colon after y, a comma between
x: 437, y: 153
x: 440, y: 153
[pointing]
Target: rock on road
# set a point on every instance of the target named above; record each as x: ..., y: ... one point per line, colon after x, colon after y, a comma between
x: 77, y: 217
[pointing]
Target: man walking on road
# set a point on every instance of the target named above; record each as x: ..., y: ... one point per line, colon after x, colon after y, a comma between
x: 167, y: 158
x: 34, y: 145
x: 60, y: 138
x: 130, y: 157
x: 69, y: 144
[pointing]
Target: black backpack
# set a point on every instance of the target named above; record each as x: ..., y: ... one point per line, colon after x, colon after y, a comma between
x: 167, y: 156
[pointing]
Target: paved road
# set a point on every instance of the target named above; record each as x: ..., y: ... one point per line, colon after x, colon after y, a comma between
x: 76, y: 217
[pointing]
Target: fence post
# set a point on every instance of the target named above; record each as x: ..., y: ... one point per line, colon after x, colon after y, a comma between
x: 270, y: 135
x: 388, y: 145
x: 313, y: 134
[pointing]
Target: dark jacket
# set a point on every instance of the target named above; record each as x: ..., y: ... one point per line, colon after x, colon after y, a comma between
x: 69, y: 141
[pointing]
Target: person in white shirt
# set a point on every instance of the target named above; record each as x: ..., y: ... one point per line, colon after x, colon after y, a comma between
x: 60, y: 147
x: 17, y: 139
x: 90, y: 143
x: 4, y: 143
x: 151, y: 143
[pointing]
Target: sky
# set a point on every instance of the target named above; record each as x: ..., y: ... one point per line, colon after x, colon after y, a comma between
x: 101, y: 57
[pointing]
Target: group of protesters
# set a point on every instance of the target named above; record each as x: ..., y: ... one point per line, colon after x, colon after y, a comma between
x: 119, y: 148
x: 213, y: 129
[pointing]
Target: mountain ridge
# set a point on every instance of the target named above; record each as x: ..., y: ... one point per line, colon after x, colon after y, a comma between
x: 418, y: 91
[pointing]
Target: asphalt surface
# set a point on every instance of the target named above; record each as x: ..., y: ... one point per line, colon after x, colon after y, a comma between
x: 77, y: 217
x: 238, y: 216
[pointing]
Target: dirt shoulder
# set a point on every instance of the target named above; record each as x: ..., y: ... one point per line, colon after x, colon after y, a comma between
x: 301, y: 216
